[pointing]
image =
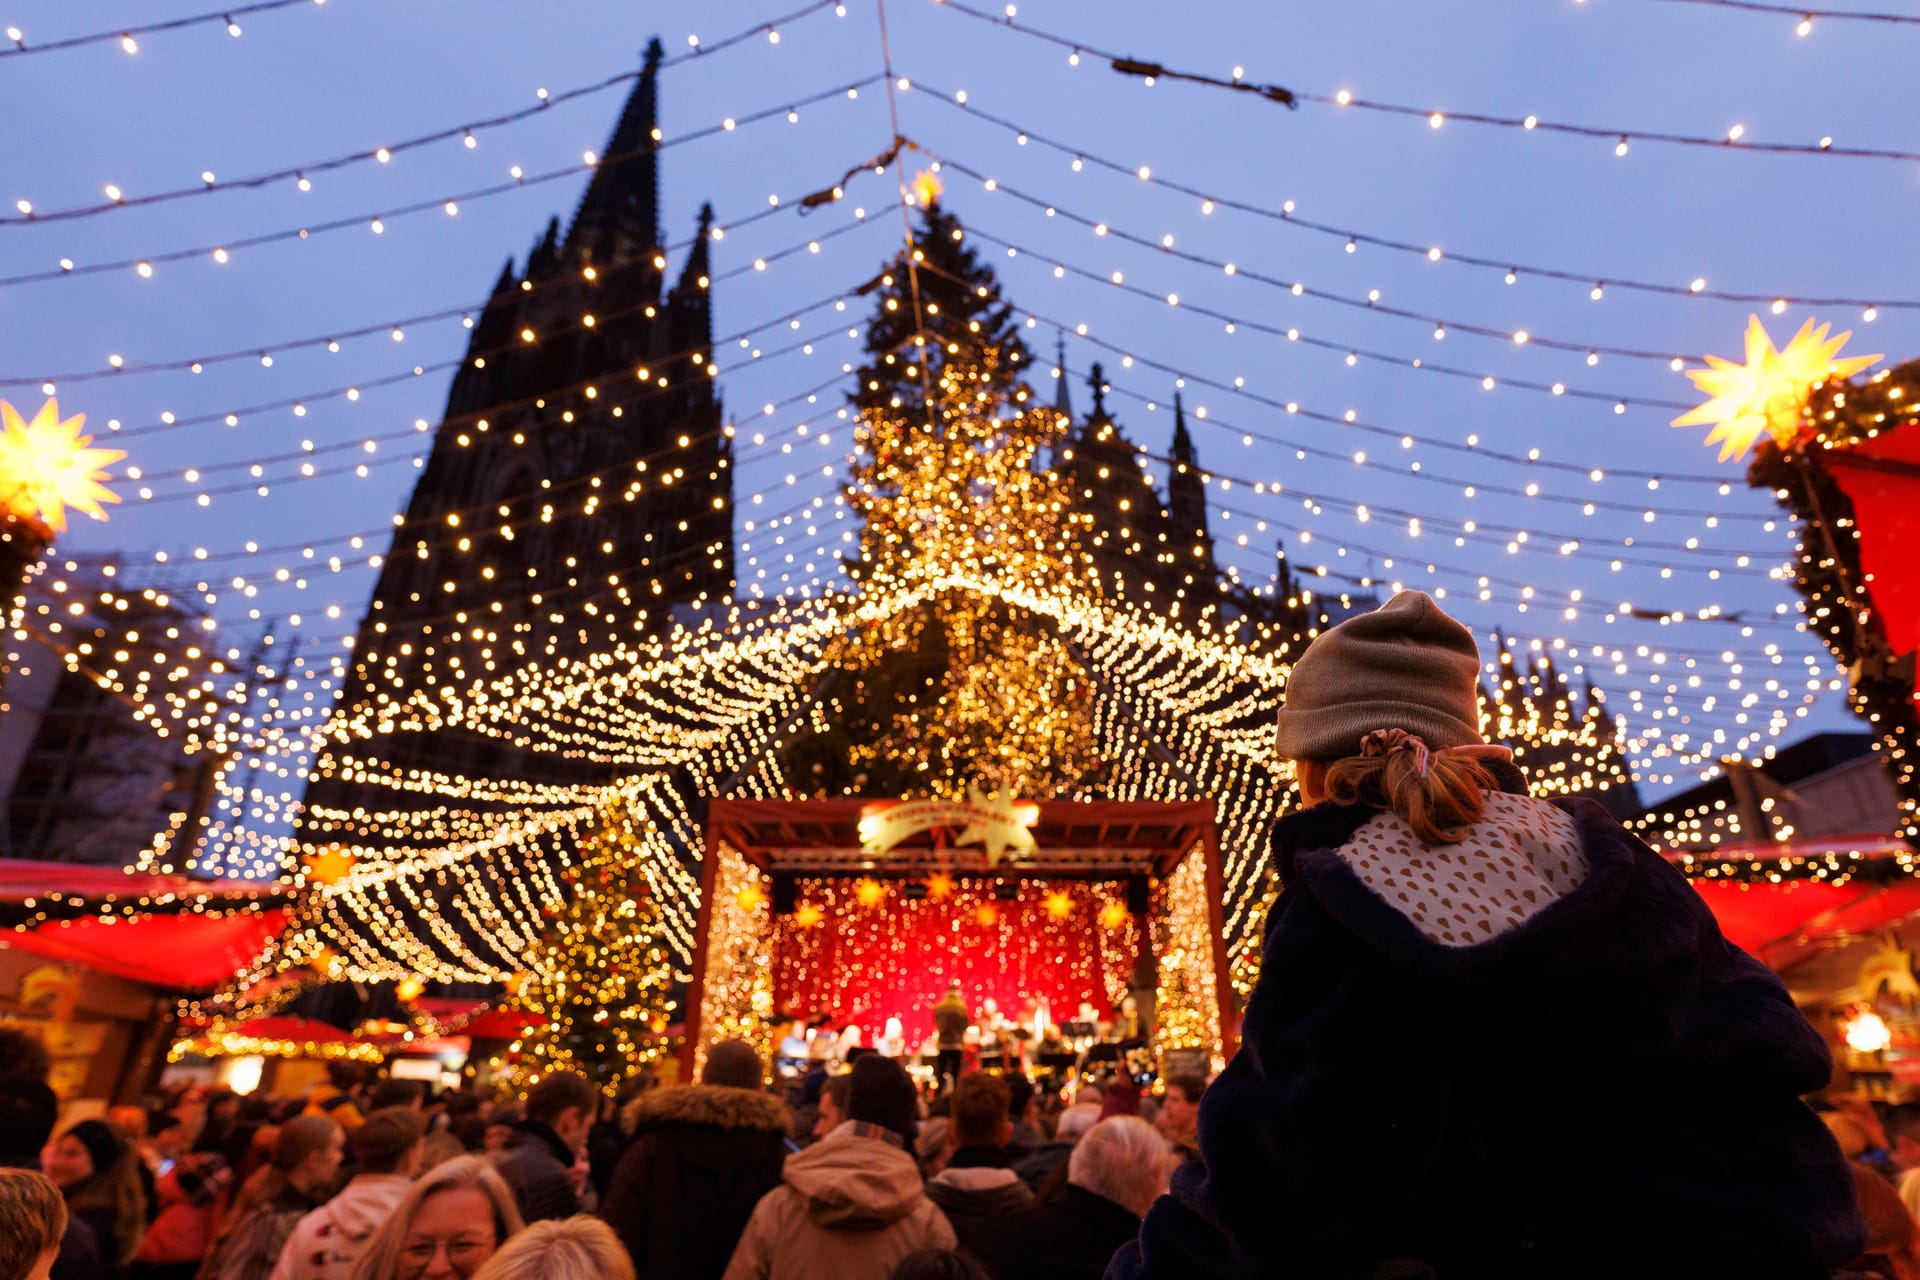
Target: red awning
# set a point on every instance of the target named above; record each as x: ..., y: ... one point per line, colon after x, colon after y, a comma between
x: 1881, y: 477
x: 501, y: 1024
x: 297, y: 1030
x: 174, y: 952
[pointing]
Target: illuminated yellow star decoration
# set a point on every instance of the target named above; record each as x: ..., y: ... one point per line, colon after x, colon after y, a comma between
x: 986, y: 915
x: 1112, y: 916
x: 1059, y: 904
x: 1768, y: 392
x: 927, y: 187
x: 808, y: 915
x: 869, y: 892
x: 329, y: 866
x: 46, y: 466
x: 749, y: 897
x: 1003, y: 827
x: 939, y: 885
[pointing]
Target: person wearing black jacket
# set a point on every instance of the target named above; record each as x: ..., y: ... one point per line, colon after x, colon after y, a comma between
x: 700, y: 1158
x: 1113, y: 1174
x: 538, y: 1163
x: 1493, y: 1034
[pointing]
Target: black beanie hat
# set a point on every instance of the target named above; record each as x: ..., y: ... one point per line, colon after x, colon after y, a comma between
x: 880, y: 1092
x: 102, y: 1143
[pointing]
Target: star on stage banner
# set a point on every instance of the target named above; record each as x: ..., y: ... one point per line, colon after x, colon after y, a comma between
x: 995, y: 822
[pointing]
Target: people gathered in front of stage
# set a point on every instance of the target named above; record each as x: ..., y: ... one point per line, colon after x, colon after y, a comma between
x: 1495, y: 1036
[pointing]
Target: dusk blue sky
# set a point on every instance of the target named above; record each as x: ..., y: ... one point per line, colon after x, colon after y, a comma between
x: 310, y: 82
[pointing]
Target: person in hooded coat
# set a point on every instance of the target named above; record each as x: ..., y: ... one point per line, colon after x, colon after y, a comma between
x: 700, y: 1158
x: 1462, y: 982
x: 326, y: 1242
x: 850, y: 1206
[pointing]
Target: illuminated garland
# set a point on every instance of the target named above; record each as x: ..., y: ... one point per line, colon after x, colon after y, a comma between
x: 1828, y: 572
x: 736, y: 992
x: 1186, y: 1007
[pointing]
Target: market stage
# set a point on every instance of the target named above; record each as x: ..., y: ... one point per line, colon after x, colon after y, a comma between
x: 863, y: 911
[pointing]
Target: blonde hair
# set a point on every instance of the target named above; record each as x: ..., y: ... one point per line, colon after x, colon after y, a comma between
x: 381, y: 1257
x: 33, y: 1218
x: 579, y: 1248
x: 1441, y: 796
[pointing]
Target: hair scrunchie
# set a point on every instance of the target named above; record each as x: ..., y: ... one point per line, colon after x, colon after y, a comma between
x: 1384, y: 742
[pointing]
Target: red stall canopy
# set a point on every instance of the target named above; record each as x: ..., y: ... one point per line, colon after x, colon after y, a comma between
x: 178, y: 953
x: 1882, y: 478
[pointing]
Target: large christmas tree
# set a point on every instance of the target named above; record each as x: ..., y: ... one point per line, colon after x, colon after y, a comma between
x: 956, y: 690
x: 601, y: 997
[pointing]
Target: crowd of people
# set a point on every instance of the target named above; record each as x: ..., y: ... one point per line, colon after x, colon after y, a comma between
x: 1377, y: 1121
x: 857, y: 1174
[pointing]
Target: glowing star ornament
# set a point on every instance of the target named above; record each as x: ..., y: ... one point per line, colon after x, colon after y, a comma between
x: 750, y: 897
x: 1059, y: 904
x: 1112, y: 916
x: 329, y: 866
x: 986, y: 915
x: 808, y: 916
x: 927, y: 187
x: 46, y: 466
x: 1767, y: 393
x: 939, y: 886
x: 997, y: 824
x: 869, y: 892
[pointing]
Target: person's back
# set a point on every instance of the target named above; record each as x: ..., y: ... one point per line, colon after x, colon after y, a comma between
x: 306, y: 1157
x: 538, y: 1162
x: 1490, y: 923
x: 326, y: 1241
x: 700, y: 1159
x: 1114, y: 1173
x: 851, y: 1206
x: 978, y: 1183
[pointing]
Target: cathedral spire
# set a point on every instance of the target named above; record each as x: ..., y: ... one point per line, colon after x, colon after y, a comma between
x: 1062, y: 400
x: 1187, y: 497
x: 1097, y: 379
x: 619, y: 217
x: 692, y: 325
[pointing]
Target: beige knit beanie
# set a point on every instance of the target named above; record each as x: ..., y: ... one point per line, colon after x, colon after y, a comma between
x: 1406, y: 665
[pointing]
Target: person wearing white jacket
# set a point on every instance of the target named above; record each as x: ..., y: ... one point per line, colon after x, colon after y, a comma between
x: 327, y: 1241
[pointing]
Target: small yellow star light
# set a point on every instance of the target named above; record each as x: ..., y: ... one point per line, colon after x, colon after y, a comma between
x: 1768, y: 392
x: 329, y: 866
x: 808, y: 915
x: 1059, y: 904
x: 927, y: 187
x: 986, y: 915
x: 1112, y: 916
x: 870, y: 892
x: 46, y: 466
x: 750, y: 897
x: 939, y: 885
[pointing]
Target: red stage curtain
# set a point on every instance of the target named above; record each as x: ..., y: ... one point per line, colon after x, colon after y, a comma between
x: 864, y: 964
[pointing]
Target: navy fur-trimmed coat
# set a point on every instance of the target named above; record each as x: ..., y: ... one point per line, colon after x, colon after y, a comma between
x: 1608, y: 1089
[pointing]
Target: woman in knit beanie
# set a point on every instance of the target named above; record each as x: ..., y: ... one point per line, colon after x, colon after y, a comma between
x: 1494, y: 1035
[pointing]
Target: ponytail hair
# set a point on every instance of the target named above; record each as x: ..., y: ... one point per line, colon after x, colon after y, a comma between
x: 1440, y: 794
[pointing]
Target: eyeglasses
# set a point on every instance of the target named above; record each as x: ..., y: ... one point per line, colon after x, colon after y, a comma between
x: 464, y: 1252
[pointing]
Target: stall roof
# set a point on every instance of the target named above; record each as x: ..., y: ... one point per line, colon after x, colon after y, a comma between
x: 34, y: 893
x: 1071, y: 839
x: 174, y: 952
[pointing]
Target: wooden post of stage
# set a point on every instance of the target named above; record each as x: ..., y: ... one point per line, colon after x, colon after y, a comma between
x: 691, y: 1030
x: 1216, y: 925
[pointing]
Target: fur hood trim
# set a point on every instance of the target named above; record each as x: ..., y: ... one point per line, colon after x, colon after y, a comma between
x: 719, y: 1106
